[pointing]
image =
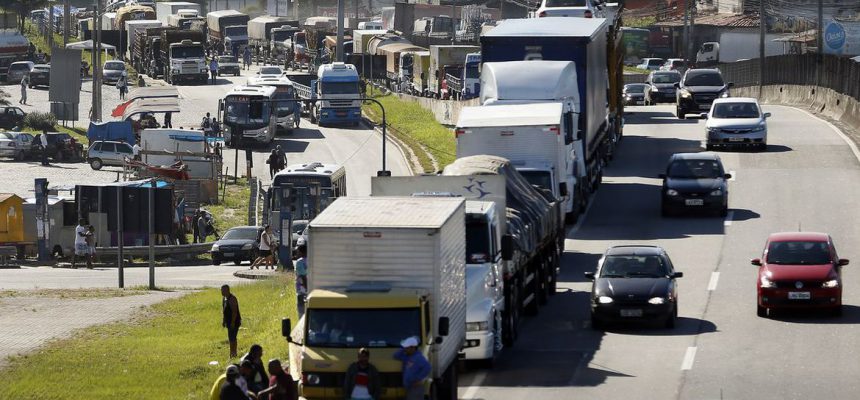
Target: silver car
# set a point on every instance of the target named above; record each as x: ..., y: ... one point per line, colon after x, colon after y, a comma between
x: 108, y: 153
x: 112, y: 71
x: 15, y: 144
x: 18, y: 70
x: 736, y: 121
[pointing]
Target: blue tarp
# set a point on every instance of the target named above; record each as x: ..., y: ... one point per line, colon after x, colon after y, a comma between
x: 111, y: 130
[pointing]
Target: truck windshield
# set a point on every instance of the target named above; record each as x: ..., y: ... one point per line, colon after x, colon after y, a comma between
x: 442, y: 25
x: 541, y: 179
x: 236, y: 31
x: 244, y: 110
x: 285, y: 108
x: 299, y: 39
x: 188, y: 52
x: 565, y: 3
x: 339, y: 88
x: 280, y: 36
x: 362, y: 327
x: 472, y: 71
x: 477, y: 241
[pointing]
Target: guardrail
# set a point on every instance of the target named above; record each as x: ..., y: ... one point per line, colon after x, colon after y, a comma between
x: 174, y: 251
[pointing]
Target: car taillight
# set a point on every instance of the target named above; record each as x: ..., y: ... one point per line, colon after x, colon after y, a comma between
x: 542, y: 14
x: 587, y: 14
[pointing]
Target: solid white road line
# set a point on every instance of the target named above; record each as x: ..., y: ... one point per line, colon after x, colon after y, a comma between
x: 835, y: 129
x: 689, y: 357
x: 712, y: 284
x: 734, y: 175
x: 729, y: 216
x: 477, y: 382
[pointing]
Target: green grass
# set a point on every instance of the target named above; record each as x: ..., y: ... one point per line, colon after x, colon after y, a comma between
x: 417, y: 128
x: 164, y: 353
x: 636, y: 70
x: 94, y: 293
x: 640, y: 22
x: 233, y: 211
x: 79, y: 133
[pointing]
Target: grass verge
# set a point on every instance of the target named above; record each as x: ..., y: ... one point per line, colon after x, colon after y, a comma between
x: 233, y: 211
x: 164, y: 353
x: 417, y: 128
x: 636, y: 70
x: 95, y: 293
x: 79, y: 133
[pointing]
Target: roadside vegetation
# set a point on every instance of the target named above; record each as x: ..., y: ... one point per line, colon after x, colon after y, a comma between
x: 233, y: 209
x: 416, y: 128
x: 90, y: 293
x: 164, y: 353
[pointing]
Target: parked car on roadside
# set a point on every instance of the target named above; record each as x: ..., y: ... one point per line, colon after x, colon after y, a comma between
x: 40, y: 75
x: 695, y: 182
x: 108, y: 153
x: 571, y: 8
x: 651, y: 64
x: 112, y: 71
x: 11, y: 117
x: 674, y: 64
x: 736, y: 121
x: 661, y: 87
x: 799, y: 270
x: 61, y: 147
x: 18, y: 70
x: 698, y: 90
x: 238, y: 244
x: 632, y: 284
x: 228, y: 65
x: 634, y: 94
x: 15, y: 144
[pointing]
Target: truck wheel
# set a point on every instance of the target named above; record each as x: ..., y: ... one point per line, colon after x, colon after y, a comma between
x: 543, y: 283
x: 511, y: 318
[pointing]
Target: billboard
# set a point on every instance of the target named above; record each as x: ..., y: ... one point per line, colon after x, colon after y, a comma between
x: 65, y: 81
x: 842, y: 38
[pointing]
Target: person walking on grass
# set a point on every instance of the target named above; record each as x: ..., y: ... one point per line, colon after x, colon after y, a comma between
x: 232, y: 317
x: 25, y: 82
x: 265, y: 251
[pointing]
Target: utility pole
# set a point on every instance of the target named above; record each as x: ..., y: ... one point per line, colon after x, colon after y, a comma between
x: 67, y: 22
x: 691, y: 50
x: 340, y: 12
x: 151, y: 195
x: 686, y: 39
x: 761, y: 52
x: 97, y: 70
x: 453, y: 17
x: 50, y: 26
x: 820, y: 43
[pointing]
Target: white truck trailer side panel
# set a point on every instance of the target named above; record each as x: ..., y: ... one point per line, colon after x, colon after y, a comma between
x: 164, y: 9
x: 408, y: 243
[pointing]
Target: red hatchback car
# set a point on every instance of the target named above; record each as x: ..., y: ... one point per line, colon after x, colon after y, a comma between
x: 799, y: 270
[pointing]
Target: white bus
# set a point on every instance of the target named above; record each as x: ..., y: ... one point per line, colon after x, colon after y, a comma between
x: 246, y: 114
x: 287, y: 107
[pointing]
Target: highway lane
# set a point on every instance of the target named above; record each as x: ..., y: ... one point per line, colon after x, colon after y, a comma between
x: 720, y: 349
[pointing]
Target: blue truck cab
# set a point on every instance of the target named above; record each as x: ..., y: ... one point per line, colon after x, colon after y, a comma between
x: 337, y: 94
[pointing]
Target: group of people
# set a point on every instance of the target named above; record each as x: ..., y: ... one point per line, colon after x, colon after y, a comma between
x: 202, y: 225
x: 210, y: 126
x: 248, y: 380
x: 85, y: 243
x: 277, y: 161
x: 266, y: 251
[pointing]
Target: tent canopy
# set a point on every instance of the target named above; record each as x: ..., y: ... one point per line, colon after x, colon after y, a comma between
x: 151, y: 106
x: 145, y: 93
x: 88, y: 45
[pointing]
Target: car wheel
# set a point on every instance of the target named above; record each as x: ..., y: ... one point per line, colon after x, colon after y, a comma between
x: 96, y: 164
x: 680, y: 112
x: 665, y: 211
x: 761, y: 311
x: 216, y: 262
x: 761, y: 147
x: 724, y: 212
x: 709, y: 147
x: 836, y: 311
x: 237, y: 261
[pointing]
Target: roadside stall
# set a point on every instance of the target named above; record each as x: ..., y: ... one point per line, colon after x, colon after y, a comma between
x: 11, y: 220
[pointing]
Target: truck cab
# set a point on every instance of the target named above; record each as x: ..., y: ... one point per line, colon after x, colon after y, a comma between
x: 337, y: 94
x: 441, y: 25
x: 708, y: 54
x: 187, y: 61
x: 235, y: 39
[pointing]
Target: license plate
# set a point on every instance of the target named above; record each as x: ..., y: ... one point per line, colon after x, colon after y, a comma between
x: 736, y: 139
x: 799, y: 296
x: 631, y: 313
x: 229, y: 254
x: 694, y: 202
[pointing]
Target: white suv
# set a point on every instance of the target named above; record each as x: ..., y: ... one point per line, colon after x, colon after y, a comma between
x: 108, y: 153
x: 736, y: 121
x: 571, y: 8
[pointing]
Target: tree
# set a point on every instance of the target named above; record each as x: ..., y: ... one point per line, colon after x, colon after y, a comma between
x: 23, y: 8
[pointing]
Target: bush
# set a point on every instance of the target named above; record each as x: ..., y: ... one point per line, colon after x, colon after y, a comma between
x: 40, y: 120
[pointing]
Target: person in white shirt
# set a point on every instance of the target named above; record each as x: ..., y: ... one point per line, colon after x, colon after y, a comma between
x: 81, y: 247
x: 265, y: 252
x: 135, y: 151
x: 43, y: 140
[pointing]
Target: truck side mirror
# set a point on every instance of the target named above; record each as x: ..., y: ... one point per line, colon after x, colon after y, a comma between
x: 562, y: 189
x: 286, y: 328
x: 507, y: 247
x: 677, y: 84
x: 444, y: 326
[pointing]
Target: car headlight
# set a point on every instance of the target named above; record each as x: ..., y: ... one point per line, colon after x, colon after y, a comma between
x: 312, y: 379
x: 671, y: 192
x: 717, y: 192
x: 724, y: 94
x: 713, y: 130
x: 214, y: 247
x: 657, y: 300
x: 248, y: 246
x: 760, y: 127
x: 477, y: 326
x: 767, y: 283
x: 685, y: 94
x: 604, y: 299
x: 833, y: 283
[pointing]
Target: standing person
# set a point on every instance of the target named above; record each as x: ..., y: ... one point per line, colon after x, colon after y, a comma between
x: 301, y: 279
x: 120, y: 84
x: 91, y: 246
x: 81, y: 249
x: 246, y: 57
x: 282, y: 158
x: 281, y: 384
x: 43, y: 140
x: 232, y: 317
x: 213, y: 70
x: 202, y: 227
x: 206, y: 124
x: 266, y: 245
x: 25, y: 81
x: 215, y: 128
x: 135, y: 151
x: 416, y: 368
x: 362, y: 379
x: 273, y: 161
x: 258, y: 380
x: 168, y: 120
x: 195, y: 231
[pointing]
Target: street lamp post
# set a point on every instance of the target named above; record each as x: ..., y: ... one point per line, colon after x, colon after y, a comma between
x: 383, y: 172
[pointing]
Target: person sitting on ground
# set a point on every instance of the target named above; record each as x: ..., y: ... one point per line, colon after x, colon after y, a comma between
x: 246, y: 370
x: 258, y: 380
x: 227, y: 386
x: 281, y: 384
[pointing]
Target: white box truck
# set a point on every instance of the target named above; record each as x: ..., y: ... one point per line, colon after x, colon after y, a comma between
x: 531, y: 136
x: 444, y: 59
x: 382, y: 269
x: 164, y: 9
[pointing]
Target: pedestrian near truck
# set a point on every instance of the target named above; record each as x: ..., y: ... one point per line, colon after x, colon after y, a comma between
x: 265, y: 251
x: 362, y: 379
x: 301, y: 278
x: 416, y: 368
x: 213, y: 70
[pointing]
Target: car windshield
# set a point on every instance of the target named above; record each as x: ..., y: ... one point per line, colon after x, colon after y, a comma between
x: 227, y: 59
x: 362, y: 327
x: 538, y: 178
x: 634, y: 88
x: 115, y: 66
x: 695, y: 169
x: 735, y: 110
x: 704, y: 79
x: 565, y: 3
x: 798, y: 253
x: 655, y: 61
x: 666, y: 78
x: 270, y: 71
x: 633, y: 266
x: 240, y: 234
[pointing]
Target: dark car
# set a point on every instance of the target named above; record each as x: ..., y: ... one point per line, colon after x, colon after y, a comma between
x: 11, y: 117
x: 799, y: 270
x: 661, y: 87
x: 238, y: 244
x: 634, y: 93
x: 61, y: 147
x: 698, y: 90
x: 40, y: 75
x: 634, y: 283
x: 695, y: 182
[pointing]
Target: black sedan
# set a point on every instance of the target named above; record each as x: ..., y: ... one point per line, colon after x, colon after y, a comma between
x: 695, y: 182
x: 238, y: 244
x: 634, y: 94
x: 634, y: 283
x: 40, y: 75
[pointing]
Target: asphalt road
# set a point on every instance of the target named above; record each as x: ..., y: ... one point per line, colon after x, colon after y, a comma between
x: 720, y: 348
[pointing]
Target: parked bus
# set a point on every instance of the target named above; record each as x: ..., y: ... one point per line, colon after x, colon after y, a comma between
x: 635, y: 42
x: 287, y: 109
x: 306, y: 189
x: 246, y: 114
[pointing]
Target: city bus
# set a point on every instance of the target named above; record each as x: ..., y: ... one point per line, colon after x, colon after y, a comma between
x: 635, y: 42
x: 246, y: 115
x: 287, y: 109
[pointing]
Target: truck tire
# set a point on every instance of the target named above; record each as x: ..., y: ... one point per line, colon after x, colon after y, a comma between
x: 534, y: 289
x: 511, y: 317
x: 446, y: 389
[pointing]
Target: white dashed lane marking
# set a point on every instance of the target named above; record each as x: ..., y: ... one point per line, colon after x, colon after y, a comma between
x: 689, y: 357
x: 712, y: 284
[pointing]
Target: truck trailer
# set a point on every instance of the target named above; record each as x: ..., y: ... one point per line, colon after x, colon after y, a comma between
x: 228, y: 31
x: 442, y: 58
x: 164, y: 9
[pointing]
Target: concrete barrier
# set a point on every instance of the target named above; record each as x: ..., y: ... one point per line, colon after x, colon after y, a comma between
x: 446, y: 111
